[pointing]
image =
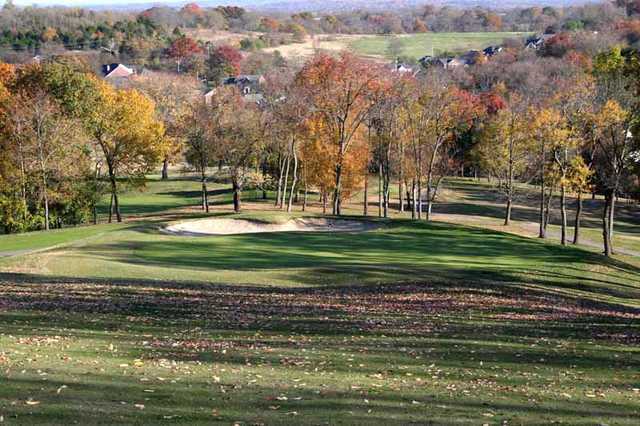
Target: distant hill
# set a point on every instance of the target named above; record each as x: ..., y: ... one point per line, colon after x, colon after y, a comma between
x: 344, y: 5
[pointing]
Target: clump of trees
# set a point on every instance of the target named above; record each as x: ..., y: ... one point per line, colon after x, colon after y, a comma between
x: 62, y: 131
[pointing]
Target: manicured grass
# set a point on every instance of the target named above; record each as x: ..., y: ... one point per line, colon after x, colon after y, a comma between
x: 16, y: 243
x: 158, y: 196
x: 419, y: 45
x: 412, y: 322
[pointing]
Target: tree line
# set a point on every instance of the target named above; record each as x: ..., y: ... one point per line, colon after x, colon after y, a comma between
x: 138, y: 34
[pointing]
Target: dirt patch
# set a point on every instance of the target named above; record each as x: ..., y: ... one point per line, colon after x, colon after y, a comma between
x: 206, y: 227
x: 311, y: 45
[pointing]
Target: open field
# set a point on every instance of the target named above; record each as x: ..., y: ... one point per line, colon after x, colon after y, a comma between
x: 406, y: 322
x: 419, y: 45
x: 412, y: 45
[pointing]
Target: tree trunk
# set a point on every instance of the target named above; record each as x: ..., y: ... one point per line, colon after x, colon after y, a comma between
x: 419, y: 197
x: 94, y: 206
x: 281, y: 174
x: 365, y: 210
x: 507, y: 217
x: 114, y: 193
x: 563, y: 215
x: 380, y: 189
x: 510, y: 182
x: 408, y: 194
x: 337, y: 207
x: 611, y: 215
x: 385, y: 193
x: 23, y: 184
x: 295, y: 178
x: 165, y: 169
x: 414, y: 204
x: 401, y: 181
x: 576, y: 226
x: 285, y: 182
x: 205, y: 195
x: 608, y: 249
x: 304, y: 197
x: 547, y: 212
x: 111, y: 208
x: 612, y: 203
x: 543, y: 230
x: 324, y: 202
x: 45, y: 199
x: 236, y: 195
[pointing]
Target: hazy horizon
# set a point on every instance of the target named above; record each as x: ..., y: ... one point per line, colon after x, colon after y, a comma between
x: 106, y: 3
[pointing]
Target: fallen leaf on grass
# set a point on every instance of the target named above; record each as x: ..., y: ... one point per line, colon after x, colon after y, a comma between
x: 139, y: 406
x: 32, y: 402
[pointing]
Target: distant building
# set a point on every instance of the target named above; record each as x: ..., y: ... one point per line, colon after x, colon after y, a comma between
x: 247, y: 84
x: 492, y: 51
x: 447, y: 63
x: 401, y: 68
x: 116, y: 71
x: 536, y: 42
x: 208, y: 96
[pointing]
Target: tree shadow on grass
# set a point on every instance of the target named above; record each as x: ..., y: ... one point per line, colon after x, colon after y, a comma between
x: 390, y: 331
x: 102, y: 399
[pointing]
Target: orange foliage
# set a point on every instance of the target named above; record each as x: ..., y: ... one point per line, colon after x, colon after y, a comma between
x: 320, y: 156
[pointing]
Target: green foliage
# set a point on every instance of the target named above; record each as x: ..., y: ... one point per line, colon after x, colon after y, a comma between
x: 574, y: 25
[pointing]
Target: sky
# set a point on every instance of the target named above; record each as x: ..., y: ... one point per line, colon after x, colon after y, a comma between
x: 75, y: 2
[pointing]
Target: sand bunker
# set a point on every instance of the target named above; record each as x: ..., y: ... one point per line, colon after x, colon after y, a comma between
x: 243, y: 226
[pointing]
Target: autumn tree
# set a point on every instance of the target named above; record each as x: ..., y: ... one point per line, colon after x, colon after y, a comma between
x: 614, y: 122
x: 49, y: 141
x: 129, y: 135
x: 432, y: 117
x: 340, y: 93
x: 183, y: 48
x: 238, y: 139
x: 615, y: 144
x: 224, y: 61
x: 291, y: 114
x: 198, y: 123
x: 505, y: 150
x: 172, y: 96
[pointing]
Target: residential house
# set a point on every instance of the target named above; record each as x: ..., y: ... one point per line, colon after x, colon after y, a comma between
x: 116, y: 71
x: 448, y: 63
x: 491, y: 51
x: 247, y: 84
x: 536, y: 42
x: 400, y: 68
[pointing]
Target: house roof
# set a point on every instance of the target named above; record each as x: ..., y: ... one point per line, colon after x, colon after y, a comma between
x: 244, y: 79
x: 116, y: 71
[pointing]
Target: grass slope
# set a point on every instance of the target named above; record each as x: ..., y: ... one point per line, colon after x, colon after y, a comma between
x: 419, y: 45
x: 411, y: 322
